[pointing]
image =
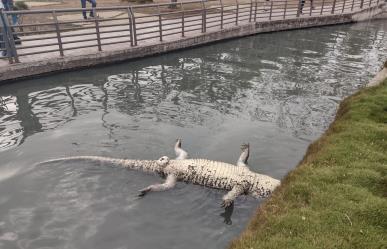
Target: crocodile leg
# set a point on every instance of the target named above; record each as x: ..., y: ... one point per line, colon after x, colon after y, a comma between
x: 242, y: 161
x: 231, y: 195
x: 169, y: 183
x: 180, y: 153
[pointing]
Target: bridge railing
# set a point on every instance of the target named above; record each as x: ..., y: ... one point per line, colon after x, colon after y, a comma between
x: 64, y: 32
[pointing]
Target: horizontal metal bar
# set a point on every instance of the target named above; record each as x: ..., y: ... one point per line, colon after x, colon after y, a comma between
x: 111, y: 43
x: 114, y: 25
x: 171, y: 19
x: 240, y: 15
x: 191, y: 18
x: 80, y: 41
x: 192, y: 25
x: 113, y: 37
x: 232, y: 18
x: 193, y: 10
x: 173, y: 23
x: 176, y: 28
x: 212, y: 17
x: 147, y: 16
x: 38, y: 46
x: 149, y: 32
x: 174, y: 33
x: 33, y: 25
x: 214, y: 21
x: 83, y: 34
x: 211, y: 26
x: 76, y: 29
x: 76, y: 21
x: 38, y: 38
x: 151, y: 21
x: 147, y: 27
x: 146, y: 38
x: 85, y: 46
x: 113, y: 31
x: 39, y: 52
x: 34, y: 32
x: 233, y: 22
x: 190, y: 30
x: 101, y: 20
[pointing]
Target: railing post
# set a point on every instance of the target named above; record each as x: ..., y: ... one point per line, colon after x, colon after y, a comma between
x: 97, y: 29
x: 298, y: 8
x: 160, y: 24
x: 255, y: 10
x: 182, y: 19
x: 353, y: 4
x: 237, y: 13
x: 333, y: 7
x: 130, y: 27
x: 311, y: 8
x: 271, y: 9
x: 322, y: 7
x: 204, y: 21
x: 286, y: 6
x: 221, y: 14
x: 361, y: 4
x: 9, y: 41
x: 342, y: 10
x: 134, y: 29
x: 251, y: 10
x: 58, y: 33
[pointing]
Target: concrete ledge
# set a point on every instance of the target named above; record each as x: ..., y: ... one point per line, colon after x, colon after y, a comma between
x: 24, y: 70
x: 383, y: 14
x: 379, y: 78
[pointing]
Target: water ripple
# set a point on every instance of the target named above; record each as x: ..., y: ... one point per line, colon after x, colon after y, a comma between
x: 278, y: 91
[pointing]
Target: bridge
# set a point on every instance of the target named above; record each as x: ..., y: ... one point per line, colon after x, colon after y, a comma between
x: 67, y: 41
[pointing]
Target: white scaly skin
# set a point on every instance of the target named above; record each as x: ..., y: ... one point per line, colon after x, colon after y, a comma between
x: 238, y: 180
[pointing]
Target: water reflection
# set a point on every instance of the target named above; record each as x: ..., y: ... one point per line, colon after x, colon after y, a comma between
x: 227, y: 214
x: 294, y: 82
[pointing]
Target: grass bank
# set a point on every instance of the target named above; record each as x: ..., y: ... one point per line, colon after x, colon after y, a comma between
x: 337, y: 196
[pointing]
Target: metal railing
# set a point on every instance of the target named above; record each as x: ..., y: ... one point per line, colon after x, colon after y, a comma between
x: 113, y: 28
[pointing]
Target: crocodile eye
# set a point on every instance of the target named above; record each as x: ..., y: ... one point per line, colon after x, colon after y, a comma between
x: 163, y: 160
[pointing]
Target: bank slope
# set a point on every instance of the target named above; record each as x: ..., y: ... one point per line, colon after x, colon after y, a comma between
x: 337, y: 196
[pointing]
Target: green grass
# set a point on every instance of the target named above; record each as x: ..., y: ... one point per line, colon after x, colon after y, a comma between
x: 337, y: 196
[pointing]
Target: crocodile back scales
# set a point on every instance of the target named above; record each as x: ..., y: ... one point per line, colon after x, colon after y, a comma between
x: 208, y: 173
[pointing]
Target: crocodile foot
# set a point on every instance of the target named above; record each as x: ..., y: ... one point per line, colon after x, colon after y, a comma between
x: 143, y: 192
x: 226, y: 203
x: 245, y: 146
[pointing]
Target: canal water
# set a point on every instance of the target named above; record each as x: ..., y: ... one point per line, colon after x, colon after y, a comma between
x: 277, y: 91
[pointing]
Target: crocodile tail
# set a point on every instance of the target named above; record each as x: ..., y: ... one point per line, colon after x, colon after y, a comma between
x: 143, y: 165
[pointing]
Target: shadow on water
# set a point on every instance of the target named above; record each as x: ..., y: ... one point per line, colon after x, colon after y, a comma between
x: 227, y: 214
x: 277, y: 91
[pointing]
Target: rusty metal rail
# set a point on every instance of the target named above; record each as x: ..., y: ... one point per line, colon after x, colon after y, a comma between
x: 124, y: 27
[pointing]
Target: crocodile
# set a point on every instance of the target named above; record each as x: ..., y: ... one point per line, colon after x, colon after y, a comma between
x: 236, y: 179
